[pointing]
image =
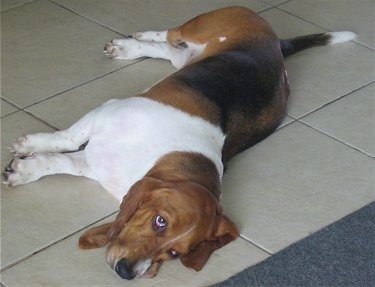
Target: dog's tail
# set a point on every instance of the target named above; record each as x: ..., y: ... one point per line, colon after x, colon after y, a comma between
x: 294, y: 45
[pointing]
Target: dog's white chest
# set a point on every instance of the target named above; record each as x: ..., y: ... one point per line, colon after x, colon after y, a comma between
x: 129, y: 136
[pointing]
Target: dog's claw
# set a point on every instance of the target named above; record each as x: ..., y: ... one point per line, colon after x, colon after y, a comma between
x: 7, y: 171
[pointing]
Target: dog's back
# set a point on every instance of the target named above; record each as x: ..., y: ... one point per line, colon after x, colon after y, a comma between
x: 245, y: 93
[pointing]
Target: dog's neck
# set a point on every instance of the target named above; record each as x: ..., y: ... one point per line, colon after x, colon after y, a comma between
x: 186, y: 166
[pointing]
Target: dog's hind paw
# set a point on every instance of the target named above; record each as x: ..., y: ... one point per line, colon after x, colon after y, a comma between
x: 127, y: 49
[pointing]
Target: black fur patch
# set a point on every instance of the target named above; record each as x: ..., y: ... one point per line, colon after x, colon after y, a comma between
x: 237, y: 81
x: 294, y: 45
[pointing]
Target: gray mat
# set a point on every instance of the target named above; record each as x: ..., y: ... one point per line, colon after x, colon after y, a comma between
x: 341, y: 254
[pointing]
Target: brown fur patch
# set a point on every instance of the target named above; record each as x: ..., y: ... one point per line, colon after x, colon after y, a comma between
x: 186, y: 166
x: 170, y: 92
x: 236, y: 24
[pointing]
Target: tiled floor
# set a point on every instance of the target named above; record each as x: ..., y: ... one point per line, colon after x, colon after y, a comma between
x: 315, y: 169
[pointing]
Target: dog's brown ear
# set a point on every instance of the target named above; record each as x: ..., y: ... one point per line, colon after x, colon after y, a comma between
x: 130, y: 203
x: 224, y: 232
x: 95, y: 237
x: 101, y: 235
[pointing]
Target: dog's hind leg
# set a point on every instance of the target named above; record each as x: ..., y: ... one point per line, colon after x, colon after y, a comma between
x: 154, y: 36
x: 33, y: 167
x: 130, y: 49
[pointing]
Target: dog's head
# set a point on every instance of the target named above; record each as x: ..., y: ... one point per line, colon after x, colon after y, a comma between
x: 160, y: 221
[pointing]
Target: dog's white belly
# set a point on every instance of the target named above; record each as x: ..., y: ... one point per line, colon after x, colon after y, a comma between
x: 129, y: 136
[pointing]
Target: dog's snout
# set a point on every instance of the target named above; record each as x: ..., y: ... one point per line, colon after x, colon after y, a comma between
x: 124, y: 269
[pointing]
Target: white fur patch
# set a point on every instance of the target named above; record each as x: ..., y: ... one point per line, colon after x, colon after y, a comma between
x: 128, y: 137
x: 142, y: 266
x: 222, y: 39
x: 181, y: 57
x: 157, y: 36
x: 341, y: 37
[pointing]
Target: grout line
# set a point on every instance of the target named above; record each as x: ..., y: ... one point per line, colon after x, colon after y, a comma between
x: 13, y: 105
x: 335, y: 100
x: 256, y: 245
x: 82, y: 84
x: 24, y: 109
x: 273, y: 5
x: 89, y: 19
x: 301, y: 18
x: 55, y: 242
x: 19, y: 108
x: 41, y: 120
x: 32, y: 115
x: 301, y: 119
x: 336, y: 139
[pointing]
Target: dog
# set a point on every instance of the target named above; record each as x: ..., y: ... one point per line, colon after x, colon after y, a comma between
x: 162, y: 153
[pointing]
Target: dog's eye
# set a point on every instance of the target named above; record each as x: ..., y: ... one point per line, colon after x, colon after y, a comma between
x: 159, y: 223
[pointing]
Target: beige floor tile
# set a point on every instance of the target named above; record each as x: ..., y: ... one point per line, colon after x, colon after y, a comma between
x: 65, y: 109
x: 288, y: 26
x: 64, y: 265
x: 294, y: 183
x: 6, y: 108
x: 351, y: 120
x: 339, y: 15
x: 38, y: 214
x: 49, y: 50
x: 320, y: 75
x: 131, y: 16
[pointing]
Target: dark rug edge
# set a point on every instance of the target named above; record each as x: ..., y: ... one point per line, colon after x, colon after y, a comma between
x: 340, y: 254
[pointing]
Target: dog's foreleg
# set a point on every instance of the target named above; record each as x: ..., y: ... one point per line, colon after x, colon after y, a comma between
x: 33, y: 167
x: 59, y: 141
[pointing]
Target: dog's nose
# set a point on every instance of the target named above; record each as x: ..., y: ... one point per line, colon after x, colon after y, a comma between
x: 124, y: 269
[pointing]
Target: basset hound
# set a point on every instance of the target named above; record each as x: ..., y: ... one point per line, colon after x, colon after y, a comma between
x: 162, y: 153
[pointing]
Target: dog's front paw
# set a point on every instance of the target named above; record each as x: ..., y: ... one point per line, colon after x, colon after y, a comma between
x: 111, y: 50
x: 22, y: 146
x: 19, y: 171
